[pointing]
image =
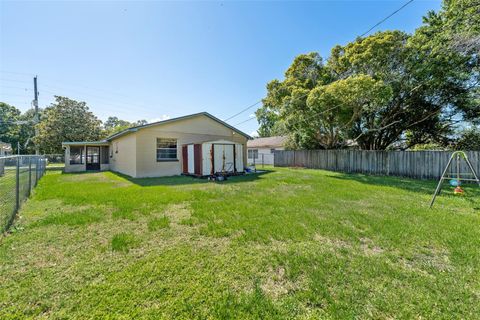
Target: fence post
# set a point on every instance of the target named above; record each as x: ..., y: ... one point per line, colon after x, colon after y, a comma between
x: 29, y: 175
x: 263, y: 161
x: 36, y: 170
x: 17, y: 185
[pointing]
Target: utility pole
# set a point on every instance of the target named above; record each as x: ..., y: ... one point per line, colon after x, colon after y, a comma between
x: 36, y: 117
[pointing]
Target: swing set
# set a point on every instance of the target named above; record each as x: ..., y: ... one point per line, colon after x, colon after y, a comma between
x: 456, y: 181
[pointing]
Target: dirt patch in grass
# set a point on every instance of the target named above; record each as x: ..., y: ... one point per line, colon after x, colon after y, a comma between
x: 429, y: 259
x: 276, y: 283
x: 331, y: 243
x: 176, y: 213
x: 369, y: 248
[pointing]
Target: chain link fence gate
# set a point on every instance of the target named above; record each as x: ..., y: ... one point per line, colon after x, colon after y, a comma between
x: 18, y: 176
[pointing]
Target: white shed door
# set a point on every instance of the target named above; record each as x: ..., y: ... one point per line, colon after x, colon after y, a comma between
x: 239, y: 159
x: 191, y: 159
x: 223, y: 157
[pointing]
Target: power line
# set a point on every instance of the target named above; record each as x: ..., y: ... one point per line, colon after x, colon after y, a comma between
x: 13, y: 80
x: 13, y: 87
x: 242, y: 111
x: 17, y: 73
x: 103, y: 101
x: 363, y: 34
x: 245, y: 121
x: 386, y: 18
x: 3, y: 95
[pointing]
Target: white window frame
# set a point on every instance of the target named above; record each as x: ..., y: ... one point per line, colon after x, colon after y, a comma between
x: 170, y: 141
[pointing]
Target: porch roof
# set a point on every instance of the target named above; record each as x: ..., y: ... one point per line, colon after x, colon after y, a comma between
x: 86, y: 143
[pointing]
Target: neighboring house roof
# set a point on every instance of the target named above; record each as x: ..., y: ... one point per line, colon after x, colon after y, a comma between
x: 7, y: 147
x: 135, y: 129
x: 269, y: 142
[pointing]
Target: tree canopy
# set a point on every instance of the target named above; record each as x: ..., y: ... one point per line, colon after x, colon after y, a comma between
x: 66, y: 120
x: 114, y: 124
x: 387, y: 90
x: 17, y: 128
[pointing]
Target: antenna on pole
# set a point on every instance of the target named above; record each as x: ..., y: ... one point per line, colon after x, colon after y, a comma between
x: 36, y: 117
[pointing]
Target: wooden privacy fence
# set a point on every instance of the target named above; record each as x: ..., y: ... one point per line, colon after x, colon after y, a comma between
x: 413, y: 164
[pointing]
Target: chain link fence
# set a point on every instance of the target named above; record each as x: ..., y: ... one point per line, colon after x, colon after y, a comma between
x: 18, y: 176
x: 260, y: 160
x: 55, y: 158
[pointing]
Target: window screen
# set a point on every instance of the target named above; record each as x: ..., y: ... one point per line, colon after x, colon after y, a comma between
x: 76, y: 155
x: 166, y: 149
x: 104, y: 155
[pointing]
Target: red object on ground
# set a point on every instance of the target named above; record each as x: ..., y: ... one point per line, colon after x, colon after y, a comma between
x: 458, y: 190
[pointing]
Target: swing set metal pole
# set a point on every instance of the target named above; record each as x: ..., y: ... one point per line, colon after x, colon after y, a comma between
x: 457, y: 154
x: 473, y: 171
x: 439, y: 186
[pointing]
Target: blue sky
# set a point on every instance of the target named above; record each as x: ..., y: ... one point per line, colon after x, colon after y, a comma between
x: 151, y: 60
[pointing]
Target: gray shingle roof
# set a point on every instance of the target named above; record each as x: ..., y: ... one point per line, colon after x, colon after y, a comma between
x: 269, y: 142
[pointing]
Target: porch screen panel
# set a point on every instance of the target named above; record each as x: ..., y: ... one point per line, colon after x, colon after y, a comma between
x: 104, y: 155
x: 76, y: 155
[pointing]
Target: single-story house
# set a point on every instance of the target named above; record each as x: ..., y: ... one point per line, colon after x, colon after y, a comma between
x: 261, y: 150
x: 5, y: 149
x: 197, y: 144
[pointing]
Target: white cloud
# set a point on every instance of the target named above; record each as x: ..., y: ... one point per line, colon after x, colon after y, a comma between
x: 252, y: 115
x: 254, y: 134
x: 161, y: 118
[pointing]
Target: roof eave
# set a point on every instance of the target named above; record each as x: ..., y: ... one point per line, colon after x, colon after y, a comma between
x: 135, y: 129
x: 82, y: 143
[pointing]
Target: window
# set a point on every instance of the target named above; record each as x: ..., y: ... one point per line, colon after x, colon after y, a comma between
x: 166, y: 149
x: 253, y: 154
x: 104, y: 155
x: 76, y: 155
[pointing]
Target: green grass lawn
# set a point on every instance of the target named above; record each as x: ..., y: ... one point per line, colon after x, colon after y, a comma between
x: 289, y: 243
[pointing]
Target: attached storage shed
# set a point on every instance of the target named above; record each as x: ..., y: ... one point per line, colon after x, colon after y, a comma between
x: 211, y: 157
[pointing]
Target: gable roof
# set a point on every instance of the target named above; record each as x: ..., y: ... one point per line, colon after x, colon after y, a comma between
x: 268, y: 142
x: 135, y: 129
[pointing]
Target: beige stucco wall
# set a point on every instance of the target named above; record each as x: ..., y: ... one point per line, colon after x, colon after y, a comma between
x: 123, y: 156
x: 192, y: 130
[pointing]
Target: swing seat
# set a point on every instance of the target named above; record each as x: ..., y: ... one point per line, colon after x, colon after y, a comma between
x: 455, y: 183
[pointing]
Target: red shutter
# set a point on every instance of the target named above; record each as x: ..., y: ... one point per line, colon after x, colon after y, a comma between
x: 185, y: 159
x: 197, y: 154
